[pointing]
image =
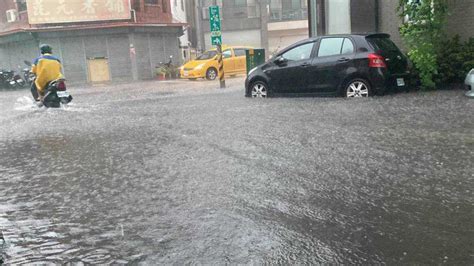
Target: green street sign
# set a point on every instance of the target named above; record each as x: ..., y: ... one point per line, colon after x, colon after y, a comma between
x: 215, y: 20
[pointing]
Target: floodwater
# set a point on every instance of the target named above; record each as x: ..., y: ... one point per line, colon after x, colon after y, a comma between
x: 185, y: 173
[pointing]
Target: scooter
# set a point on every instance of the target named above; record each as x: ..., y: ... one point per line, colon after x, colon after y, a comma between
x: 28, y: 76
x: 170, y: 69
x: 55, y: 94
x: 9, y: 79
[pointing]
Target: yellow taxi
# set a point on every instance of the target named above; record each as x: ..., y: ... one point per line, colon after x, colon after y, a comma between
x: 206, y: 66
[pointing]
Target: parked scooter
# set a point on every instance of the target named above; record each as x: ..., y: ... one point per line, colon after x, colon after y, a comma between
x: 169, y: 68
x: 28, y: 76
x: 9, y: 79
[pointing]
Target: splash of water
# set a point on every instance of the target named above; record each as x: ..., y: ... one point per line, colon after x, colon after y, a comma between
x: 25, y: 103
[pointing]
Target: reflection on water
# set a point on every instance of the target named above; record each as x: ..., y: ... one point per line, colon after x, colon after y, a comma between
x: 198, y: 180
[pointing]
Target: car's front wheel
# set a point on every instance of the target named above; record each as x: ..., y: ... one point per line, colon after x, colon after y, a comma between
x: 357, y: 88
x: 211, y: 74
x: 259, y: 89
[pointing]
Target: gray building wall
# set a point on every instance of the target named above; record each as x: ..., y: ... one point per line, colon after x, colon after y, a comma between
x: 461, y: 18
x: 74, y: 48
x: 389, y: 21
x: 363, y: 16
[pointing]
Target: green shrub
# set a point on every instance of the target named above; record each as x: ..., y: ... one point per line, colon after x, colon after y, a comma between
x: 422, y: 32
x: 455, y: 60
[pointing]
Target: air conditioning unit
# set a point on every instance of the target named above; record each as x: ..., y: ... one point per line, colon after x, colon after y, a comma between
x: 12, y: 15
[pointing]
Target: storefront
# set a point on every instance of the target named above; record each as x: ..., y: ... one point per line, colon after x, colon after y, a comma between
x: 97, y: 55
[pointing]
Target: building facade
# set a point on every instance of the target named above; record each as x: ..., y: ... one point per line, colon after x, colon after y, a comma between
x: 275, y: 24
x: 179, y: 14
x: 93, y: 47
x: 269, y: 24
x: 287, y: 23
x: 359, y: 16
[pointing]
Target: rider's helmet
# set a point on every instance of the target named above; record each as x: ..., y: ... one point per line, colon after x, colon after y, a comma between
x: 46, y: 49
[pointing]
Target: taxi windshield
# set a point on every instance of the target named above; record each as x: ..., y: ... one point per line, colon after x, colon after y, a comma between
x: 207, y: 55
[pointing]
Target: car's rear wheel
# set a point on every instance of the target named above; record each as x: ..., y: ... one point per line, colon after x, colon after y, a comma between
x: 211, y: 74
x: 259, y: 89
x: 357, y: 88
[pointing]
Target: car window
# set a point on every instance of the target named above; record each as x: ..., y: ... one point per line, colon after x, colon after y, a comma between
x: 347, y: 47
x: 383, y: 44
x: 207, y: 55
x: 330, y: 46
x: 239, y: 52
x: 301, y: 52
x: 227, y: 53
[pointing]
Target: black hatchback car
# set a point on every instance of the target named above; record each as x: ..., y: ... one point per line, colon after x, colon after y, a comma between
x: 356, y: 65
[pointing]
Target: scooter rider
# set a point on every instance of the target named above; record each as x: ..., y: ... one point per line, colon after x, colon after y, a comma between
x: 47, y: 68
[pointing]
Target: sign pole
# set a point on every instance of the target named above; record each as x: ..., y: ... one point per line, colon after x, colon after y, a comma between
x: 216, y: 39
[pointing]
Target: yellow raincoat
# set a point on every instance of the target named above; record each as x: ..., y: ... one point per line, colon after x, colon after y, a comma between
x: 46, y: 68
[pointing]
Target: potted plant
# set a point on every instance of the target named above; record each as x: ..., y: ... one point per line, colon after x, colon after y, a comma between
x: 161, y: 73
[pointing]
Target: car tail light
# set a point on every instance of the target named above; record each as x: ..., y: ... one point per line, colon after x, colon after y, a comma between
x: 61, y: 86
x: 376, y: 61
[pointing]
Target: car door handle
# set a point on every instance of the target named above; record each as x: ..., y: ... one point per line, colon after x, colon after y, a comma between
x: 344, y: 59
x: 306, y: 65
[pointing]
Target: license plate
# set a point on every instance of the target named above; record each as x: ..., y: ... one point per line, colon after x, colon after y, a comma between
x: 185, y: 73
x: 400, y: 82
x: 63, y: 94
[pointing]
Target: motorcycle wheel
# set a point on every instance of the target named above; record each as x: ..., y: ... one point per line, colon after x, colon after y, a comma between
x: 51, y: 100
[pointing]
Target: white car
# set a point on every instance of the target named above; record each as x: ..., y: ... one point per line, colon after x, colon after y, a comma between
x: 469, y: 82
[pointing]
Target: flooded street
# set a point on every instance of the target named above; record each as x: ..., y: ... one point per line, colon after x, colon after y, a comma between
x: 164, y: 173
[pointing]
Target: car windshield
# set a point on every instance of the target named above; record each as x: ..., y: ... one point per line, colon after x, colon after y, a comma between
x: 207, y: 55
x: 382, y: 44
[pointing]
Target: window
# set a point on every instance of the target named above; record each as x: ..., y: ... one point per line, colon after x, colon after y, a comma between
x: 151, y: 2
x: 164, y: 6
x: 240, y: 2
x: 136, y: 5
x: 347, y: 47
x: 239, y: 52
x: 295, y: 4
x: 382, y: 44
x: 207, y: 55
x: 227, y: 54
x: 301, y: 52
x: 330, y: 46
x: 21, y: 4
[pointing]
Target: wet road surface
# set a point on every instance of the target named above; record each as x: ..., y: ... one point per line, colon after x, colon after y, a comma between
x: 186, y: 173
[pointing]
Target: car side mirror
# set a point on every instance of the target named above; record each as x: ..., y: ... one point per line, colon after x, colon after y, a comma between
x: 280, y: 60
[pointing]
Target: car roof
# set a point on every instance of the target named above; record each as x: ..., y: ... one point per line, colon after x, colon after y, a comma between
x: 367, y: 35
x: 357, y: 35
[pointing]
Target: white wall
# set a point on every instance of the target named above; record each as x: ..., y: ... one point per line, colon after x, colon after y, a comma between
x: 338, y: 16
x: 178, y: 11
x: 244, y: 38
x: 282, y: 39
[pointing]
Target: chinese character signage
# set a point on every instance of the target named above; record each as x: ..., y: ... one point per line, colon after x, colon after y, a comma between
x: 65, y: 11
x: 215, y: 20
